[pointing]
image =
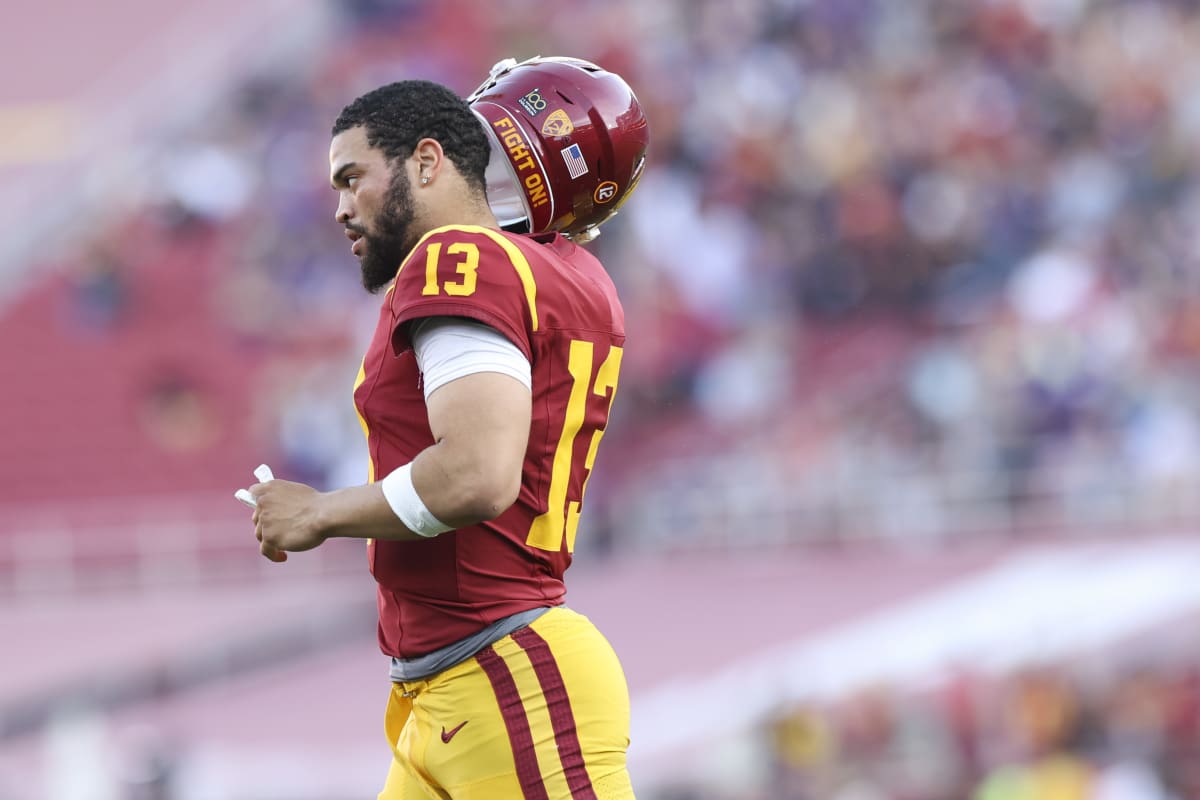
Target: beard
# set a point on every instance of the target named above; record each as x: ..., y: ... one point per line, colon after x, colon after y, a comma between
x: 388, y: 245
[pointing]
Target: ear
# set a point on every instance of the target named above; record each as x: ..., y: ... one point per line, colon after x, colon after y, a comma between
x: 429, y: 159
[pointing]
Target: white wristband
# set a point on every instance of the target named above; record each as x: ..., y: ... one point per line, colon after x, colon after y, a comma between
x: 402, y: 496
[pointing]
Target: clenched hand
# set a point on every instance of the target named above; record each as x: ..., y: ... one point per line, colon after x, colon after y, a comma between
x: 286, y: 518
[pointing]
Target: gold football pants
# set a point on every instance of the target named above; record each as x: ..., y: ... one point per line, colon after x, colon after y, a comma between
x: 542, y: 714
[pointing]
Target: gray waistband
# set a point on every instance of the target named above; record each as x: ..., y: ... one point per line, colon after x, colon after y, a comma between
x: 421, y: 667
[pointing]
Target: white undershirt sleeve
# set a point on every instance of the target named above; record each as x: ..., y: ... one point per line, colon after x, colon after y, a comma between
x: 448, y: 348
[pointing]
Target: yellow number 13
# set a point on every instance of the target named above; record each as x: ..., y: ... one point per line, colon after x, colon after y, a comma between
x: 468, y: 267
x: 562, y: 516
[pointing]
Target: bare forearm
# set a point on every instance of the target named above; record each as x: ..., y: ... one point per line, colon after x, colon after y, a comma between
x: 360, y: 512
x: 453, y: 492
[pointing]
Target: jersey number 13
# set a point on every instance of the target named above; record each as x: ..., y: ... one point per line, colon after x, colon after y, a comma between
x: 562, y: 515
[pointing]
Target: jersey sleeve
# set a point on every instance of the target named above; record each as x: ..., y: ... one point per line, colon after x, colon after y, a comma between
x: 466, y: 271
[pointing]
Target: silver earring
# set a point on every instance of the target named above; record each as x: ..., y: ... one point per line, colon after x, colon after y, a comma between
x: 424, y: 181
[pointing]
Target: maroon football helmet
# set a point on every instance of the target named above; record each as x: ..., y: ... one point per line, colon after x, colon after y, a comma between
x: 568, y: 143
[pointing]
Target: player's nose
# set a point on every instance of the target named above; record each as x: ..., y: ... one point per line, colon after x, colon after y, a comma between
x: 345, y: 209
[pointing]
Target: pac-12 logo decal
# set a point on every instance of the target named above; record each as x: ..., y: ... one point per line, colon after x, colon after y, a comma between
x: 605, y: 192
x: 557, y: 124
x: 533, y: 103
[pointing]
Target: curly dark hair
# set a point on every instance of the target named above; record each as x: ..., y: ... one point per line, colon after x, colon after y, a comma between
x: 399, y: 115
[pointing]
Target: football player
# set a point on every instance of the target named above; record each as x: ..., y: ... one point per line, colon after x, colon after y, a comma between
x: 484, y: 395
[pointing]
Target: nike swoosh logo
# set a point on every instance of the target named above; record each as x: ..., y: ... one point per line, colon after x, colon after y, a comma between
x: 447, y: 736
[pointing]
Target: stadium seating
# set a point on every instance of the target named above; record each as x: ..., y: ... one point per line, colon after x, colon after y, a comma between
x: 909, y: 288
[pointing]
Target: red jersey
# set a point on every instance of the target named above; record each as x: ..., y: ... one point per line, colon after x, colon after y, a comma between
x: 556, y: 303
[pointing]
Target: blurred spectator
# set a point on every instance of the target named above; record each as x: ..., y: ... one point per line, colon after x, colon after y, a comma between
x: 99, y: 295
x: 176, y: 414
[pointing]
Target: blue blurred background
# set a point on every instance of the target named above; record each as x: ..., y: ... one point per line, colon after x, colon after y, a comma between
x: 900, y: 497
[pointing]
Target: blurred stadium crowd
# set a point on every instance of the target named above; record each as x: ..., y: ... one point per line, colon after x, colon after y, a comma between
x: 1084, y: 733
x: 904, y: 269
x: 1004, y: 193
x: 930, y: 257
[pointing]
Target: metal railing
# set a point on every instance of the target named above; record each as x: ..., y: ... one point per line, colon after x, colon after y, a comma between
x: 763, y: 498
x: 143, y: 543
